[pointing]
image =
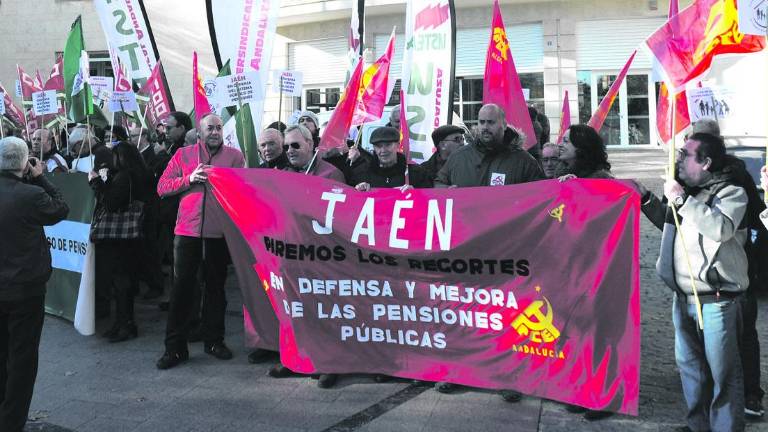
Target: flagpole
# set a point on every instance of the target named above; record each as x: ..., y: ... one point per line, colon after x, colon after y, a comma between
x: 24, y: 111
x: 671, y: 175
x: 244, y: 147
x: 143, y: 120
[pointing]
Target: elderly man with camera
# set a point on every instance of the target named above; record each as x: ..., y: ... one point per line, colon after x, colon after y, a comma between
x: 27, y: 203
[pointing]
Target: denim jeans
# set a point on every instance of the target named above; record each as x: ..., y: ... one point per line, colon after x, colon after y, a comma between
x: 710, y: 364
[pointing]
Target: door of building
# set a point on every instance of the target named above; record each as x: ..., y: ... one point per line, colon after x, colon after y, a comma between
x: 630, y: 120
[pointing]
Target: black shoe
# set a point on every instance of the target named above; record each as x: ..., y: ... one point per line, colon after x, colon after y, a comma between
x: 171, y: 359
x: 260, y: 355
x: 218, y: 350
x: 575, y: 409
x: 327, y: 380
x: 596, y: 415
x: 753, y: 407
x: 379, y: 378
x: 511, y: 396
x: 445, y: 387
x: 124, y: 333
x: 280, y: 371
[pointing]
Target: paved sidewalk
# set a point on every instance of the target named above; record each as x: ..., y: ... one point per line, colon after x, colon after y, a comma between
x: 86, y: 384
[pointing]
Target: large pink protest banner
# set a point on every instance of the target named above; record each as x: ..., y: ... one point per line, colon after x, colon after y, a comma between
x: 530, y: 287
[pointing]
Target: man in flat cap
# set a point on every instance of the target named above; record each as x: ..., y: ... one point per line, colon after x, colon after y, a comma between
x: 387, y: 167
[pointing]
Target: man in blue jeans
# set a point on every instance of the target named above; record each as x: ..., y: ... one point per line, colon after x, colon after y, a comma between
x: 705, y: 262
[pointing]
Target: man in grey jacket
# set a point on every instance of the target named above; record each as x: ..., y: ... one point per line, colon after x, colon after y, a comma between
x: 707, y: 252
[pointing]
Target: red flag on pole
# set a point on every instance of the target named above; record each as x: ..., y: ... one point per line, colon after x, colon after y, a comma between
x: 12, y: 112
x: 598, y: 118
x: 38, y: 79
x: 56, y: 79
x: 685, y: 46
x: 664, y: 105
x: 122, y: 82
x: 375, y: 88
x: 565, y: 118
x: 201, y: 105
x: 28, y: 84
x: 159, y: 104
x: 336, y: 131
x: 501, y: 84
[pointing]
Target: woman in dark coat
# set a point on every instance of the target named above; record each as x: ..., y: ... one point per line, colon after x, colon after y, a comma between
x: 118, y: 181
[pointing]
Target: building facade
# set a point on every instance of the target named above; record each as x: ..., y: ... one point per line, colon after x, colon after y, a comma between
x: 577, y: 46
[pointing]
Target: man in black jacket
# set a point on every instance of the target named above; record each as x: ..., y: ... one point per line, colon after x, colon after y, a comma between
x: 25, y: 267
x: 387, y: 167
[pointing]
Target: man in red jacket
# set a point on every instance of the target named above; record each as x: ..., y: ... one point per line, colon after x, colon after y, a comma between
x: 199, y: 242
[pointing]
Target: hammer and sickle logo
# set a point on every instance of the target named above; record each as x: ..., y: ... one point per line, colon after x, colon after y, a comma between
x: 266, y: 285
x: 535, y: 324
x: 500, y: 38
x: 557, y: 212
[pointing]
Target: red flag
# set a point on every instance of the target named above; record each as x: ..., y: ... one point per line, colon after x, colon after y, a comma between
x: 501, y: 85
x: 335, y: 134
x: 202, y: 107
x: 375, y: 88
x: 159, y: 105
x: 56, y: 80
x: 11, y: 110
x: 38, y: 78
x: 28, y: 84
x: 598, y: 118
x: 565, y: 118
x: 685, y: 46
x: 122, y: 82
x: 664, y: 114
x: 664, y: 105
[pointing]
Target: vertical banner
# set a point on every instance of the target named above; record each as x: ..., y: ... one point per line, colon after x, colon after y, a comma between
x: 428, y: 70
x: 72, y: 282
x: 159, y: 103
x: 126, y: 30
x: 243, y: 32
x: 356, y: 37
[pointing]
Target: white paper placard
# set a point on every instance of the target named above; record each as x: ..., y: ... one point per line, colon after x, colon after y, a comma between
x: 292, y: 82
x: 123, y: 101
x: 45, y: 102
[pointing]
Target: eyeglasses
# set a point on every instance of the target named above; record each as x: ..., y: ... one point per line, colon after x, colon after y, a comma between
x: 549, y: 159
x: 293, y: 145
x: 682, y: 154
x: 458, y: 140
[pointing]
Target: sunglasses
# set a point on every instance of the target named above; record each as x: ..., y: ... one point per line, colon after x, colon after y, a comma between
x: 293, y: 145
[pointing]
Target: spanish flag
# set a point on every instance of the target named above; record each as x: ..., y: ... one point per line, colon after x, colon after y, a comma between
x: 375, y: 87
x: 685, y: 46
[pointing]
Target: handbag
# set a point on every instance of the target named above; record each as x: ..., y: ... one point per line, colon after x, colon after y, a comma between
x: 121, y: 225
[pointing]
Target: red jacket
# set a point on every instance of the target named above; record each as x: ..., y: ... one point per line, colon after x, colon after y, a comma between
x: 175, y: 180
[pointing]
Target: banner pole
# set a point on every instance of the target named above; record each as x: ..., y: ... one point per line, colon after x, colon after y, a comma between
x: 765, y: 192
x: 244, y: 147
x: 143, y: 120
x: 671, y: 175
x: 2, y: 127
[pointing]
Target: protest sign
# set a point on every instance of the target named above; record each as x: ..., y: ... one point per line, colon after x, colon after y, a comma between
x: 712, y: 102
x: 72, y: 255
x: 291, y: 82
x: 526, y: 94
x: 45, y: 102
x: 233, y: 90
x: 752, y: 17
x: 2, y: 104
x: 414, y: 285
x: 123, y: 101
x: 101, y: 87
x: 18, y: 89
x: 126, y: 30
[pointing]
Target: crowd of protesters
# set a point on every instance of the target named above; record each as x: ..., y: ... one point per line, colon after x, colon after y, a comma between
x: 165, y: 170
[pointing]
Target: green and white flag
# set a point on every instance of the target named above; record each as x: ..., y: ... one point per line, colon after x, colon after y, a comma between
x: 76, y: 88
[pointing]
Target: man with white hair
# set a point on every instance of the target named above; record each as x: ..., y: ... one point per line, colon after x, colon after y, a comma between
x: 28, y: 201
x: 82, y: 145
